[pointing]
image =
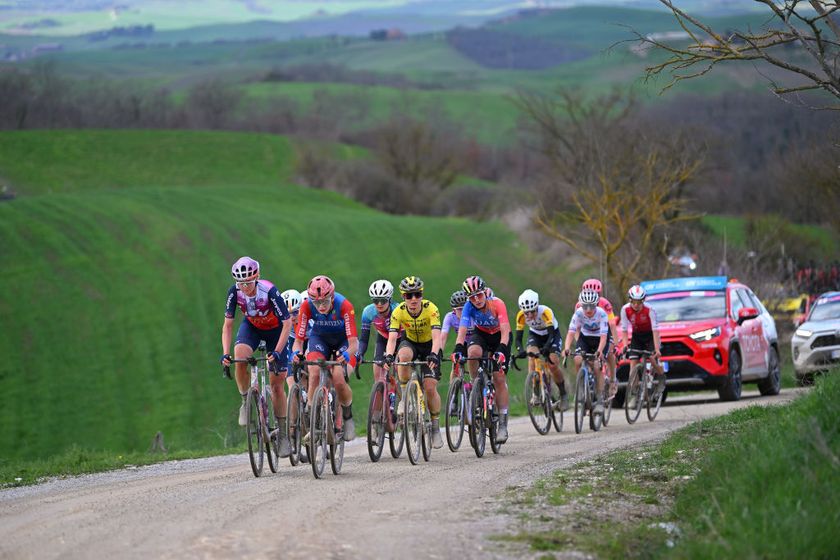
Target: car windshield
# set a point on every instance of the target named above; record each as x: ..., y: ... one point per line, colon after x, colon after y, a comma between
x: 825, y: 311
x: 689, y: 306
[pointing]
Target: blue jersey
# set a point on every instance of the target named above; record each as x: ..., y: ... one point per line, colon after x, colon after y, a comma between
x: 371, y: 317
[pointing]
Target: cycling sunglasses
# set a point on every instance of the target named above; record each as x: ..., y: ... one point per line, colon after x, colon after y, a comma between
x: 588, y: 306
x: 321, y: 302
x: 410, y: 295
x: 380, y: 300
x: 248, y: 284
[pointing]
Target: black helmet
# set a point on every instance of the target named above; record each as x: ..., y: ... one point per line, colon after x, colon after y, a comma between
x: 458, y: 299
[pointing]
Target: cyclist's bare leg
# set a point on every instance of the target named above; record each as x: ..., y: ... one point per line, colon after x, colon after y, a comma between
x: 502, y: 396
x: 453, y: 373
x: 243, y: 377
x: 556, y: 373
x: 432, y: 396
x: 599, y: 378
x: 314, y: 377
x: 578, y: 362
x: 405, y: 354
x: 474, y: 351
x: 531, y: 361
x: 278, y: 396
x: 611, y: 362
x: 342, y: 388
x: 378, y: 373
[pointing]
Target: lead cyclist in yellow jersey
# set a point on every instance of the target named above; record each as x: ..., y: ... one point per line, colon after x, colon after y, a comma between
x: 418, y: 320
x: 543, y: 337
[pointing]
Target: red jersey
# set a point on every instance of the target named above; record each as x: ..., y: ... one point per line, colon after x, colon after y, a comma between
x: 642, y: 321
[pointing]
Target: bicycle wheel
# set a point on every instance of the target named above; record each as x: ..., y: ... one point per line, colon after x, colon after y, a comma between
x: 397, y: 437
x: 256, y: 448
x: 336, y: 438
x: 376, y: 421
x: 607, y: 402
x: 426, y: 441
x: 580, y: 400
x: 318, y: 433
x: 634, y: 395
x: 455, y: 412
x: 535, y: 399
x: 412, y: 422
x: 294, y: 422
x: 556, y: 399
x: 594, y: 419
x: 653, y: 406
x: 495, y: 418
x: 478, y: 423
x: 272, y: 437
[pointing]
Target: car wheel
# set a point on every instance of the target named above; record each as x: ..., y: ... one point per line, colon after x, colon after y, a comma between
x: 731, y: 388
x: 771, y: 384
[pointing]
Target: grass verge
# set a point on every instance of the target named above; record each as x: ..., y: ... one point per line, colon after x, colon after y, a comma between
x: 760, y: 482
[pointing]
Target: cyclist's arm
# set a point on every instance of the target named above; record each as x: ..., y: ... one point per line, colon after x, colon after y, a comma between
x: 352, y: 345
x: 434, y: 324
x: 504, y: 322
x: 303, y: 323
x: 625, y: 324
x: 364, y: 338
x: 284, y: 335
x: 392, y: 341
x: 520, y: 328
x: 654, y: 327
x: 227, y: 334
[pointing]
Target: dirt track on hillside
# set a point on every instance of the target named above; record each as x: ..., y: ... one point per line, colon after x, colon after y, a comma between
x: 215, y: 508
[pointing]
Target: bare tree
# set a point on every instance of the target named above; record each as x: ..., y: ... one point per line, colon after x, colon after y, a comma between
x: 613, y: 189
x: 806, y: 24
x: 213, y: 102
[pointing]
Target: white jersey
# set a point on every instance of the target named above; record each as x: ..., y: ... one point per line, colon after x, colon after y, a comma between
x: 597, y: 325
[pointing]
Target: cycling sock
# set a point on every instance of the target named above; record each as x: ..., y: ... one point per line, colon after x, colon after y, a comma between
x: 505, y: 411
x: 346, y: 412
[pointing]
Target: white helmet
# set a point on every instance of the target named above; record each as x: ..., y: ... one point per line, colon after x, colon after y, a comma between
x: 637, y: 293
x: 292, y: 299
x: 589, y: 297
x: 529, y: 300
x: 381, y: 289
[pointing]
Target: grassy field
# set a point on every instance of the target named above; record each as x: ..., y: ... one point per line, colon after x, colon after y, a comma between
x: 113, y: 289
x: 757, y: 483
x: 820, y: 240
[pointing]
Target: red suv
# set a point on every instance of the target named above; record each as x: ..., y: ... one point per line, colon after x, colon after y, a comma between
x: 715, y: 334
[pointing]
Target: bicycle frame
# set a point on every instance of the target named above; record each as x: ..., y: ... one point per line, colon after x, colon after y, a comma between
x: 489, y: 417
x: 325, y: 400
x: 424, y: 415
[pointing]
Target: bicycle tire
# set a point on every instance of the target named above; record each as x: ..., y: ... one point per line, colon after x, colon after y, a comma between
x: 376, y: 421
x: 539, y: 413
x: 580, y: 400
x: 337, y: 439
x: 455, y: 401
x: 493, y: 429
x: 556, y: 397
x: 478, y: 425
x: 634, y: 395
x: 254, y: 432
x: 605, y: 421
x: 272, y: 444
x: 426, y: 439
x: 591, y: 399
x: 294, y: 423
x: 654, y: 406
x: 396, y: 439
x: 317, y: 433
x: 412, y: 422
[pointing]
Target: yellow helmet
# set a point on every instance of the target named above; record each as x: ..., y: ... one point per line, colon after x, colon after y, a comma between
x: 411, y: 284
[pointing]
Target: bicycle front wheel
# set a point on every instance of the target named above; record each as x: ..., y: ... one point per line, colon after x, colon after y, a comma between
x: 607, y: 402
x: 478, y: 424
x: 272, y: 437
x: 594, y: 419
x: 634, y: 395
x: 454, y: 414
x: 653, y: 406
x: 412, y: 422
x: 336, y: 437
x: 318, y: 416
x: 294, y: 423
x: 535, y: 399
x: 376, y: 421
x: 556, y: 404
x: 580, y: 400
x: 254, y: 431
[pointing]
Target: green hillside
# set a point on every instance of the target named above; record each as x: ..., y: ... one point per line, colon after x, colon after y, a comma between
x: 113, y: 292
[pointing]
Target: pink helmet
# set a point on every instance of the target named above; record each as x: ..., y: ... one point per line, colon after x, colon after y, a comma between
x: 320, y: 287
x: 245, y: 269
x: 592, y: 284
x: 473, y: 285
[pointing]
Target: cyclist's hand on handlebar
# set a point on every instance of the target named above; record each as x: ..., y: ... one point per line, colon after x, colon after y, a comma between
x: 387, y: 360
x: 456, y: 357
x: 500, y: 358
x: 433, y: 360
x: 521, y: 354
x: 226, y: 359
x: 546, y: 351
x: 298, y: 357
x: 274, y: 356
x: 599, y: 355
x: 566, y: 352
x: 358, y: 358
x: 657, y: 355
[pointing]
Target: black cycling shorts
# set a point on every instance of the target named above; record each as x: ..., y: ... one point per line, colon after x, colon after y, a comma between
x: 420, y: 351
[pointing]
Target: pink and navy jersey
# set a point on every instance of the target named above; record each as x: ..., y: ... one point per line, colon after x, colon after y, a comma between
x: 597, y: 325
x: 641, y: 321
x: 488, y: 319
x: 339, y: 320
x: 265, y: 310
x: 372, y: 318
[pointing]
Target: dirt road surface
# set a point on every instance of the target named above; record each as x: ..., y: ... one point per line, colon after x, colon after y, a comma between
x: 215, y: 508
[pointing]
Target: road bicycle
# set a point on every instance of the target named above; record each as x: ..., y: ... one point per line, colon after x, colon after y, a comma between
x: 483, y: 414
x: 640, y: 388
x: 260, y: 430
x: 326, y: 422
x: 296, y: 425
x: 585, y: 394
x: 457, y: 399
x: 417, y: 420
x: 382, y: 417
x: 542, y: 395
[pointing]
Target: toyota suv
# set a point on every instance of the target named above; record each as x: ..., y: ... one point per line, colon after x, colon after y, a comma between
x: 815, y: 345
x: 715, y: 333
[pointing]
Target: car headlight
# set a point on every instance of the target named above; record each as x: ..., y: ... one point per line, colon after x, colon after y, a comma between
x: 803, y: 333
x: 707, y: 334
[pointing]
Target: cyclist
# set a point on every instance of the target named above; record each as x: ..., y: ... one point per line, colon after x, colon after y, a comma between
x: 543, y: 337
x: 413, y: 325
x: 595, y: 285
x: 642, y: 318
x: 451, y: 322
x: 377, y: 314
x: 266, y: 319
x: 491, y: 336
x: 333, y: 332
x: 590, y: 325
x: 293, y: 299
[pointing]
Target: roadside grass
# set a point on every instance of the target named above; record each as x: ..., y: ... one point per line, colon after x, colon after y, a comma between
x: 759, y: 482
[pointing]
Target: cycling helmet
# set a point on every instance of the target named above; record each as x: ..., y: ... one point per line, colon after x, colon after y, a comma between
x: 245, y: 269
x: 411, y: 284
x: 592, y: 284
x: 529, y: 300
x: 381, y: 289
x: 637, y: 293
x: 473, y: 285
x: 292, y: 299
x: 320, y: 287
x: 458, y: 299
x: 488, y: 292
x: 588, y: 297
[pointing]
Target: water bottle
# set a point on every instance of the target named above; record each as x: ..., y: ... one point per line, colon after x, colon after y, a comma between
x: 330, y: 399
x: 392, y: 400
x: 303, y: 395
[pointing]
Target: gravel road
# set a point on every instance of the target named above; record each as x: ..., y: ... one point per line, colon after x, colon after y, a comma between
x: 215, y: 508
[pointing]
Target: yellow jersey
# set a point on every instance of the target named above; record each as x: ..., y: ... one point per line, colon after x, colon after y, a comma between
x: 539, y: 324
x: 417, y: 329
